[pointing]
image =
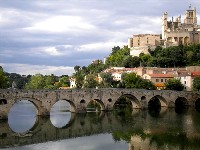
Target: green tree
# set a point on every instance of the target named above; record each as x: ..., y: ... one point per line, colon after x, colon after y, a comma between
x: 132, y: 80
x: 174, y: 84
x: 36, y: 82
x: 79, y: 79
x: 50, y: 82
x: 196, y: 84
x: 77, y: 68
x: 90, y: 81
x: 115, y: 49
x: 64, y: 81
x: 107, y: 80
x: 117, y: 58
x: 3, y: 79
x: 145, y: 58
x: 131, y: 62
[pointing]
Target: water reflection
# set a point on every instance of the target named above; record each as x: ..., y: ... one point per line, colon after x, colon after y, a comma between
x: 22, y: 116
x: 122, y: 129
x: 59, y: 114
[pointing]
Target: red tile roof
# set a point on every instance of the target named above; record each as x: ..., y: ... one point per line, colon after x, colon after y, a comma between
x: 195, y: 74
x: 161, y: 75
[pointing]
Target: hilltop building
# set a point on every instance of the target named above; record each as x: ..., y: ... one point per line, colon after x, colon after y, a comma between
x: 174, y: 33
x: 142, y: 42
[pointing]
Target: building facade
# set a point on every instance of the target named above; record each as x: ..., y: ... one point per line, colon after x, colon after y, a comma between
x: 142, y: 42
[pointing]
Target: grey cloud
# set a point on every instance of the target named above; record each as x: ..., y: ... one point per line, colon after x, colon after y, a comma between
x: 112, y: 21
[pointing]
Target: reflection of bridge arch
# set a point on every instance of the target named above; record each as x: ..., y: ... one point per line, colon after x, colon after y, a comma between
x: 197, y: 104
x: 68, y: 124
x: 29, y: 132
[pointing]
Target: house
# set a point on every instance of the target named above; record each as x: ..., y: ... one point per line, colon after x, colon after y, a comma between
x: 159, y: 80
x: 72, y: 82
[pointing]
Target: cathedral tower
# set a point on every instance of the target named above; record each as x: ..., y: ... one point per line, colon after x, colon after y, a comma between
x: 164, y: 24
x: 190, y: 16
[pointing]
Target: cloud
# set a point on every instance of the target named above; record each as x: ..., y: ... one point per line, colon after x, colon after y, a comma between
x: 26, y: 69
x: 99, y: 47
x: 62, y: 24
x: 73, y: 32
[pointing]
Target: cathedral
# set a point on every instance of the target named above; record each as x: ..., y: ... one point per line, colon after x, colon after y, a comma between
x: 174, y: 33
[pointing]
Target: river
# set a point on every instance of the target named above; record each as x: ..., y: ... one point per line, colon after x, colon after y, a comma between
x: 165, y: 129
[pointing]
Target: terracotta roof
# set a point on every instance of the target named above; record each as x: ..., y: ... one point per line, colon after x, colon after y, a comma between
x: 161, y: 75
x: 195, y: 74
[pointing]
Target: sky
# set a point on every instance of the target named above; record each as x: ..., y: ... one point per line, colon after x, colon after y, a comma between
x: 53, y: 36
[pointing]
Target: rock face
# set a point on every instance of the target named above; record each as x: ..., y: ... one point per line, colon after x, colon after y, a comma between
x: 80, y: 98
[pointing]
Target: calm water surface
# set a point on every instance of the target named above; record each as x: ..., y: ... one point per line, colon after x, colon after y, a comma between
x: 120, y: 130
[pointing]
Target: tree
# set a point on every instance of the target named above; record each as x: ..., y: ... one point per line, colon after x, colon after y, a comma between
x: 196, y: 84
x: 64, y: 81
x: 145, y: 58
x: 50, y: 81
x: 90, y: 81
x: 131, y: 62
x: 77, y: 68
x: 3, y: 79
x: 132, y: 80
x: 107, y: 80
x: 174, y: 84
x: 117, y: 58
x: 79, y: 79
x: 115, y: 49
x: 36, y: 82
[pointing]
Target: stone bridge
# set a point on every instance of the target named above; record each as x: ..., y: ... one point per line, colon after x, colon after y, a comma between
x: 80, y: 98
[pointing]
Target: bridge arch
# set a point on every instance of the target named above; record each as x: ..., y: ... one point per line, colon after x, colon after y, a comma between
x: 35, y: 102
x: 72, y: 105
x: 134, y: 101
x: 162, y: 100
x: 96, y: 103
x: 3, y: 101
x: 181, y: 102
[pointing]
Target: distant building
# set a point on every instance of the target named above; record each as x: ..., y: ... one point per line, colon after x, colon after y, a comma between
x: 159, y: 80
x: 159, y: 75
x: 142, y: 42
x: 175, y: 33
x: 72, y: 83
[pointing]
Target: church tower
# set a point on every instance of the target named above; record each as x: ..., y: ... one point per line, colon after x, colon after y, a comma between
x: 190, y: 16
x: 164, y: 24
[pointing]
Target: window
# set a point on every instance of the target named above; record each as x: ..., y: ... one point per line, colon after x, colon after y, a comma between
x: 161, y: 80
x: 157, y: 80
x: 185, y: 82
